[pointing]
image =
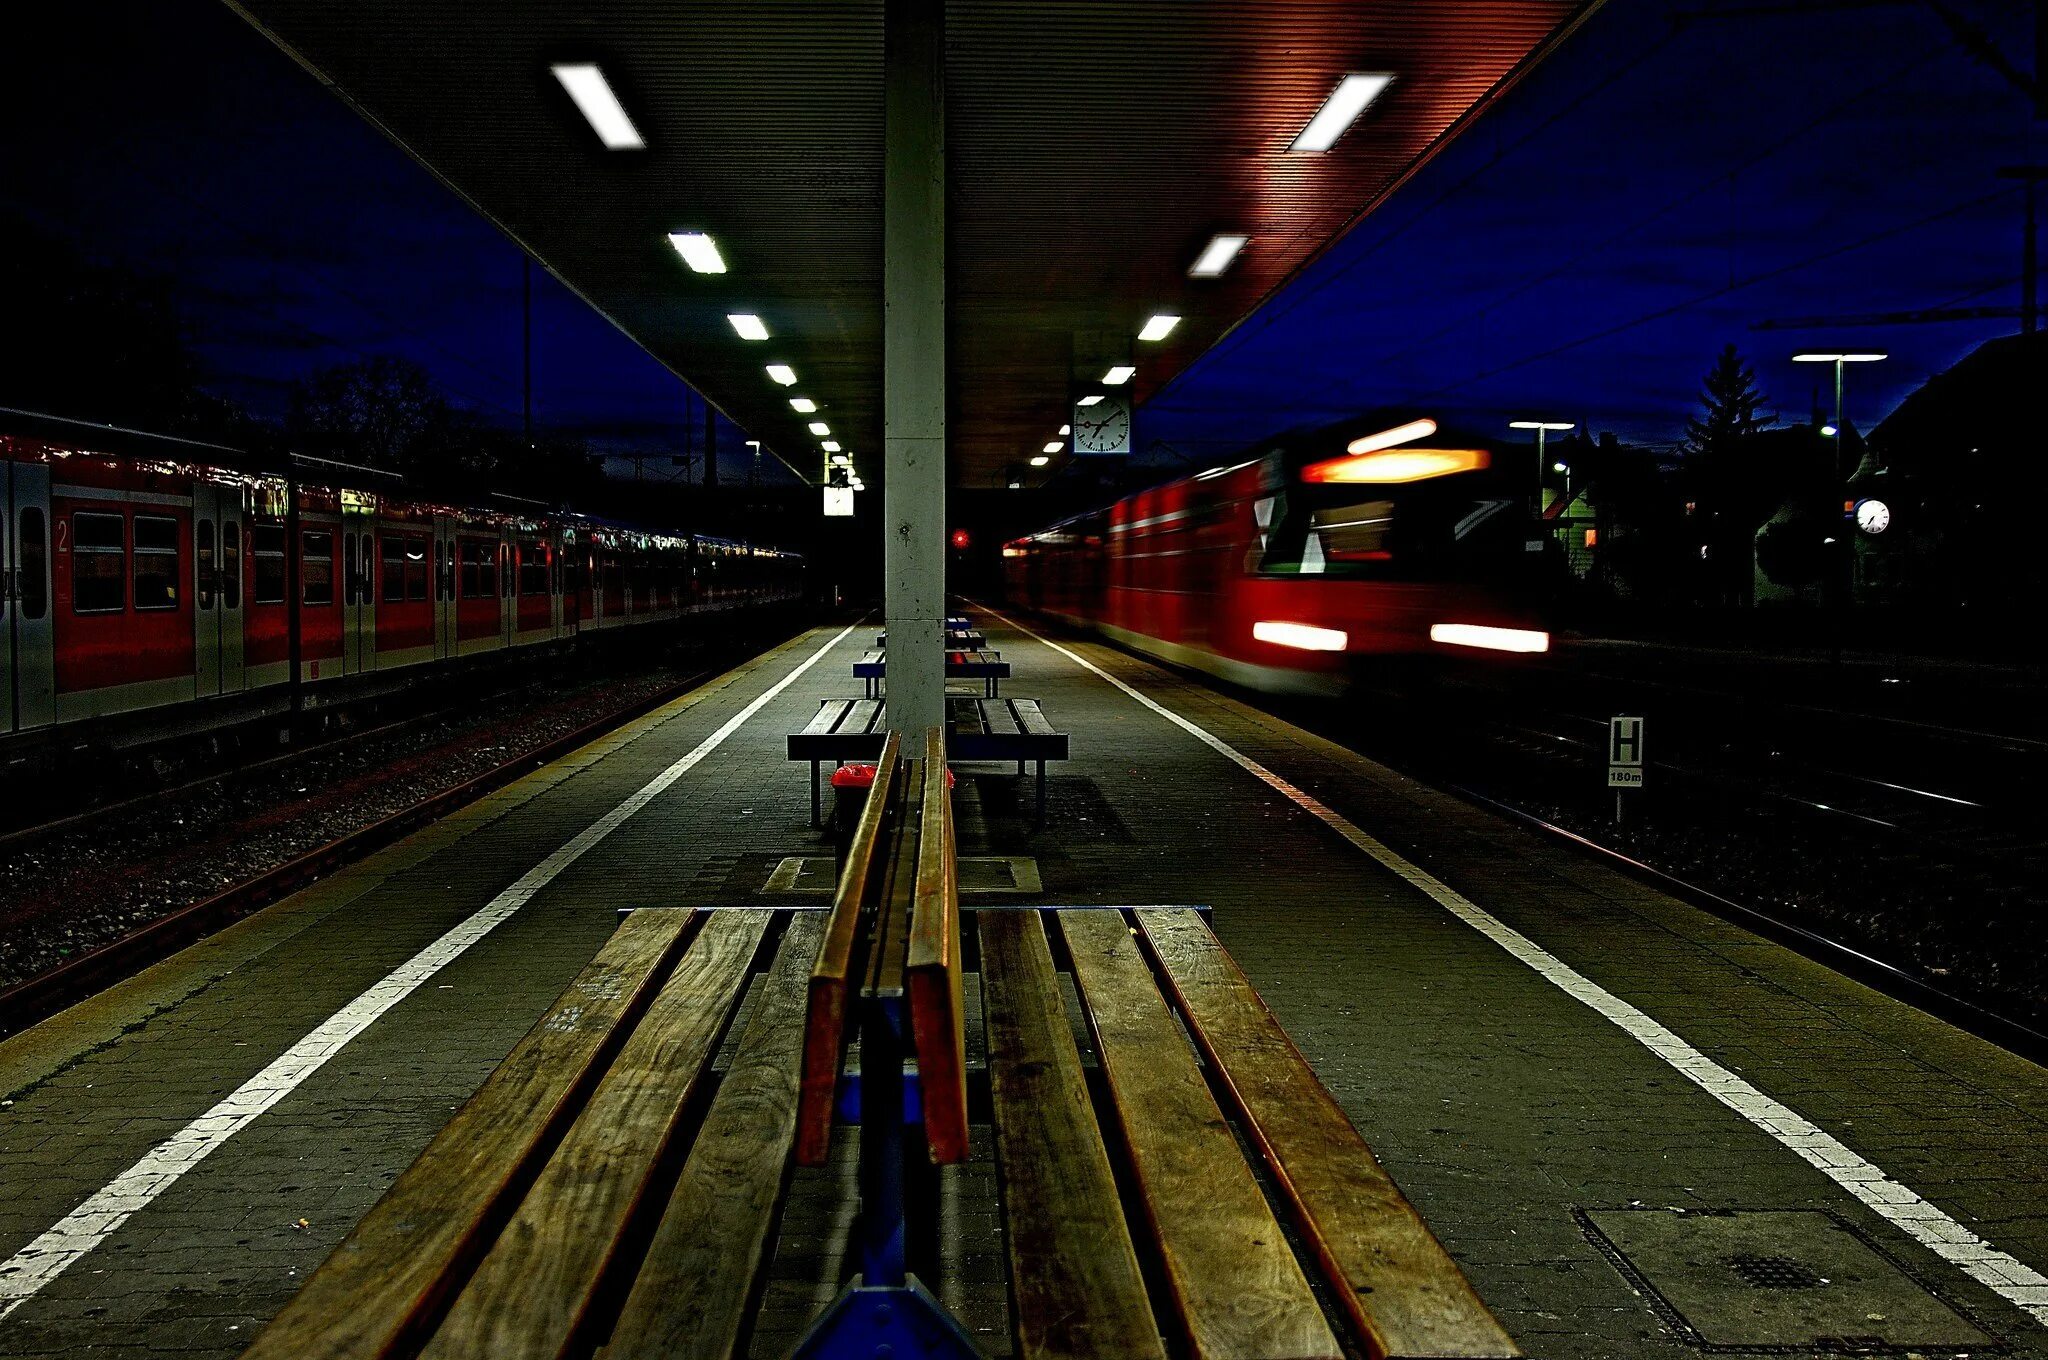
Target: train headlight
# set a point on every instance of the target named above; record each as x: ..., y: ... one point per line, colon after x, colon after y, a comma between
x: 1491, y: 639
x: 1306, y: 637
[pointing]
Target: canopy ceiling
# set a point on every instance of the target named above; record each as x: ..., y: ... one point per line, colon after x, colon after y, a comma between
x: 1094, y: 148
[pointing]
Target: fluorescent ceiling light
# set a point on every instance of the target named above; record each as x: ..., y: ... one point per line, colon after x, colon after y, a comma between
x: 1833, y: 358
x: 593, y: 95
x: 698, y: 250
x: 1539, y: 424
x: 1159, y: 326
x: 1346, y: 102
x: 840, y: 459
x: 1054, y: 447
x: 1387, y: 439
x: 1040, y: 461
x: 802, y: 405
x: 1118, y: 375
x: 783, y: 374
x: 819, y: 427
x: 1090, y: 399
x: 1217, y: 255
x: 749, y: 326
x: 830, y: 446
x: 1066, y: 429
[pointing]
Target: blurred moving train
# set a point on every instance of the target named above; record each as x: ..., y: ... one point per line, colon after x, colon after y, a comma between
x: 1303, y: 565
x: 151, y: 585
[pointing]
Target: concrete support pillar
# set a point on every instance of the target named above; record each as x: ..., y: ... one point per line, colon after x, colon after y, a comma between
x: 914, y: 359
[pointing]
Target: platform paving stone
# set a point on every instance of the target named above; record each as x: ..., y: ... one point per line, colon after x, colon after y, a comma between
x: 1504, y: 1107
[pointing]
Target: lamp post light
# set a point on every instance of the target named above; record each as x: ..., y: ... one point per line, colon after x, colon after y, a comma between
x: 1841, y: 542
x: 1542, y: 428
x: 1834, y: 431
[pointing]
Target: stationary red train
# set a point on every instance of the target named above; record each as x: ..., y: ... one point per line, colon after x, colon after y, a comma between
x: 1303, y: 565
x: 152, y: 585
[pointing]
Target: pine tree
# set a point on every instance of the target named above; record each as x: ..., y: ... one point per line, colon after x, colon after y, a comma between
x: 1729, y: 398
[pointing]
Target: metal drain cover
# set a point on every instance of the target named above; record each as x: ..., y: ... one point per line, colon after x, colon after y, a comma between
x: 978, y: 874
x: 1774, y: 1278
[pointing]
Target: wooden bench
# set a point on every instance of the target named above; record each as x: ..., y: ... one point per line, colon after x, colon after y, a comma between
x: 988, y: 667
x: 977, y: 730
x: 957, y: 640
x: 606, y: 1188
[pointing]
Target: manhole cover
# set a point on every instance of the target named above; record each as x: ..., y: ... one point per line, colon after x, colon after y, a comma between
x: 1778, y: 1278
x: 978, y: 874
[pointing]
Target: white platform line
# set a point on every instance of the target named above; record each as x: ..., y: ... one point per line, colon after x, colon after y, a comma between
x: 25, y: 1273
x: 2013, y: 1280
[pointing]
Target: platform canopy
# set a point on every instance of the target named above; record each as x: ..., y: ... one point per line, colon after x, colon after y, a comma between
x: 1095, y: 148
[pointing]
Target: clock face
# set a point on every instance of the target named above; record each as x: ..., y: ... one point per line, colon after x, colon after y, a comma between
x: 1104, y: 427
x: 1873, y: 517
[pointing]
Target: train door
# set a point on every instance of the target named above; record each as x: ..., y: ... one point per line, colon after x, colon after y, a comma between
x: 508, y: 586
x: 217, y: 625
x: 568, y: 588
x: 28, y: 681
x: 444, y: 586
x: 558, y: 614
x: 358, y: 595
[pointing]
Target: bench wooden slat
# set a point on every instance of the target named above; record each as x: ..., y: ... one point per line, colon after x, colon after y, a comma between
x: 831, y: 974
x: 830, y: 714
x: 1239, y: 1290
x: 1390, y: 1274
x: 532, y: 1292
x: 1032, y: 718
x: 1074, y: 1274
x: 937, y: 1013
x: 689, y: 1300
x: 528, y: 1299
x: 383, y: 1283
x: 964, y: 716
x: 865, y: 714
x: 1001, y: 720
x: 889, y: 935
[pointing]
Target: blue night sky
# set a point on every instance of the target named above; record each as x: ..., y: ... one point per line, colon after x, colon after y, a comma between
x: 1648, y: 195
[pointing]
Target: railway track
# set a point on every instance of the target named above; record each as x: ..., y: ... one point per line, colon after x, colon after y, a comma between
x: 104, y: 963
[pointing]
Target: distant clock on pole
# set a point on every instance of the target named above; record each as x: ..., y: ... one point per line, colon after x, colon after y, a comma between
x: 1873, y: 516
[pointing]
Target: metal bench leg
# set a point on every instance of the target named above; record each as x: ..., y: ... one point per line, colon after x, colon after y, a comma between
x: 1041, y: 793
x: 816, y: 816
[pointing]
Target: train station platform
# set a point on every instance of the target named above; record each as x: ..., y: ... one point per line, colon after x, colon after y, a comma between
x: 1640, y: 1129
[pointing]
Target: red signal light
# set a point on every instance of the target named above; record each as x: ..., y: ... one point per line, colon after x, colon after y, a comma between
x: 960, y: 539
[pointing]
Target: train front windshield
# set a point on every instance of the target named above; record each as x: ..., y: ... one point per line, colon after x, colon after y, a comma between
x: 1447, y: 528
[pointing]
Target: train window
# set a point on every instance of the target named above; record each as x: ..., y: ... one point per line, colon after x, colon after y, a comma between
x: 230, y: 564
x: 156, y: 571
x: 266, y: 547
x: 32, y: 544
x: 202, y: 546
x: 479, y: 571
x: 405, y: 567
x: 316, y: 566
x: 98, y: 544
x: 533, y: 568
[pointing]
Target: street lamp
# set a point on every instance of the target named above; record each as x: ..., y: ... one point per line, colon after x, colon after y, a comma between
x: 1542, y: 428
x: 1834, y: 431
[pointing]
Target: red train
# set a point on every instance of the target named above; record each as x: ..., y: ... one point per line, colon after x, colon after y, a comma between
x: 153, y: 585
x: 1297, y: 567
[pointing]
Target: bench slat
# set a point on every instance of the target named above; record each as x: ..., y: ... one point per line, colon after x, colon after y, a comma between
x: 964, y: 716
x: 825, y: 1006
x: 529, y: 1297
x: 865, y: 715
x: 1390, y: 1274
x: 1001, y: 720
x: 1238, y: 1287
x: 689, y: 1299
x: 937, y: 1014
x: 1032, y: 718
x: 1074, y: 1274
x: 830, y: 713
x: 380, y: 1286
x: 890, y: 934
